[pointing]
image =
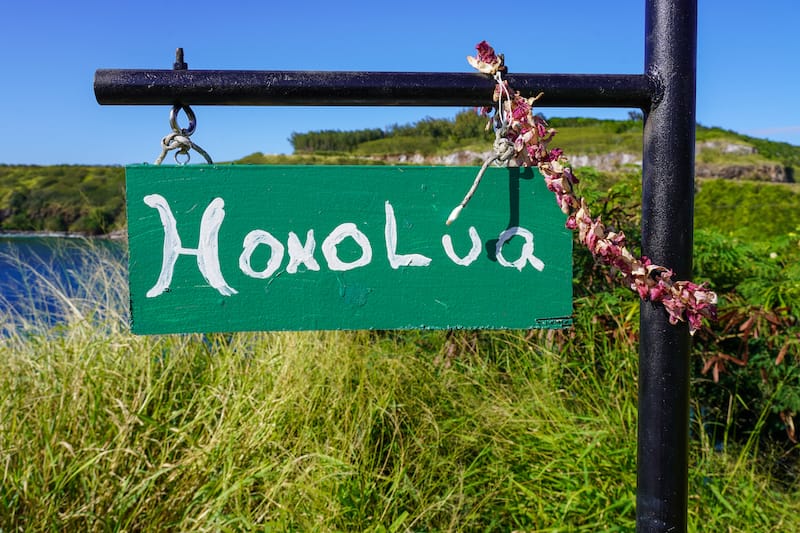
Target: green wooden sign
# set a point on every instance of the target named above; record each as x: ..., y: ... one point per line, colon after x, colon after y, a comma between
x: 243, y: 248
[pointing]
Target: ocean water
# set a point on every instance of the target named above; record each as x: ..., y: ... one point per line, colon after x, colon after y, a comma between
x: 45, y: 278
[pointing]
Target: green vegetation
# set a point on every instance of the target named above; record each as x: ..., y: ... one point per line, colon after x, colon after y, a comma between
x: 595, y: 136
x: 784, y: 153
x: 349, y: 431
x: 90, y: 200
x: 324, y: 158
x: 747, y: 247
x: 62, y: 198
x: 750, y: 211
x: 576, y: 135
x: 428, y: 137
x: 403, y: 431
x: 333, y: 140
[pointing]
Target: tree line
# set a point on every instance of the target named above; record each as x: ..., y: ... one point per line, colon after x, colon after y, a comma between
x: 467, y: 125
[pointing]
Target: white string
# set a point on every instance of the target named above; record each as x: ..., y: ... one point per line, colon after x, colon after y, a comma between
x: 500, y: 108
x: 503, y: 150
x: 181, y: 143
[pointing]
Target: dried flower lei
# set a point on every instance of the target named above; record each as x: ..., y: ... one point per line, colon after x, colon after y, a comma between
x: 530, y: 136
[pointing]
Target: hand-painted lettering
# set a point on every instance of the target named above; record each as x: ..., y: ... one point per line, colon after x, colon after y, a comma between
x: 340, y: 233
x: 474, y: 252
x: 397, y: 260
x: 526, y: 256
x: 208, y: 260
x: 301, y: 254
x: 251, y: 241
x: 206, y: 251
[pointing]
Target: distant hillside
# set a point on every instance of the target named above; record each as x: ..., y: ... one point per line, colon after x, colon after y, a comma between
x: 90, y: 200
x: 606, y: 145
x: 63, y: 198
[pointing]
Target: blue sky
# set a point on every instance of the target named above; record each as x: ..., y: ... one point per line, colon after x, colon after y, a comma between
x: 748, y: 66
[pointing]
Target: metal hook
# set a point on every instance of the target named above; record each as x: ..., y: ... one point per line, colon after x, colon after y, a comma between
x: 179, y: 139
x: 180, y: 64
x: 173, y: 119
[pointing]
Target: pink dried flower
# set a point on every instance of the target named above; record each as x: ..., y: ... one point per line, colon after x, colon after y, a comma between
x: 486, y: 61
x: 530, y: 136
x: 486, y: 52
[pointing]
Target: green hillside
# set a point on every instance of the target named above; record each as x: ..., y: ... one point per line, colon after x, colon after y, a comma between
x: 576, y: 135
x: 64, y: 198
x: 90, y: 200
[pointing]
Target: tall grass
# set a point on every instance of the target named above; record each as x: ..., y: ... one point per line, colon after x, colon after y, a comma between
x: 101, y: 430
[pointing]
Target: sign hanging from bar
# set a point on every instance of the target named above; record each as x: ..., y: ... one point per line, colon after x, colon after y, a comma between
x: 248, y: 248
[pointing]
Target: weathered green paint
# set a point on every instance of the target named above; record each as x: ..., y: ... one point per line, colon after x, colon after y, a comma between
x: 283, y: 199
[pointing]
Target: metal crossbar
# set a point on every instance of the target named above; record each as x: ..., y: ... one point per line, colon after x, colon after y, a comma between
x: 665, y: 91
x: 253, y: 87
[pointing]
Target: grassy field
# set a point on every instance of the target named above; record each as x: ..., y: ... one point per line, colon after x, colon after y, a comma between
x: 343, y: 431
x: 101, y: 430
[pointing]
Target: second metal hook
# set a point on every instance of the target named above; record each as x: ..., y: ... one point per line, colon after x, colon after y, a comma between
x: 173, y: 119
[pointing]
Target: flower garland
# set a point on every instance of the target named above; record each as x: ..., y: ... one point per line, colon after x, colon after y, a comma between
x: 530, y: 136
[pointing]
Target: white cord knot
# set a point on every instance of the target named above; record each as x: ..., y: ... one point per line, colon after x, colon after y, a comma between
x: 179, y: 139
x: 503, y: 152
x: 182, y: 144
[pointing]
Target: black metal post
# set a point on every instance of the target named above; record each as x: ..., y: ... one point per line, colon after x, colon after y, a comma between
x: 667, y: 222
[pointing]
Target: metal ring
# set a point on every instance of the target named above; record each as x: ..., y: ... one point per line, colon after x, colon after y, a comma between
x: 173, y: 119
x: 181, y: 152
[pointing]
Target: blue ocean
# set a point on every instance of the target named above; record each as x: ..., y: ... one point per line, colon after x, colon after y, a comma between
x: 45, y: 279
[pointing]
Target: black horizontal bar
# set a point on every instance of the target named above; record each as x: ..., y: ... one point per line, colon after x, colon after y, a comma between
x: 339, y: 88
